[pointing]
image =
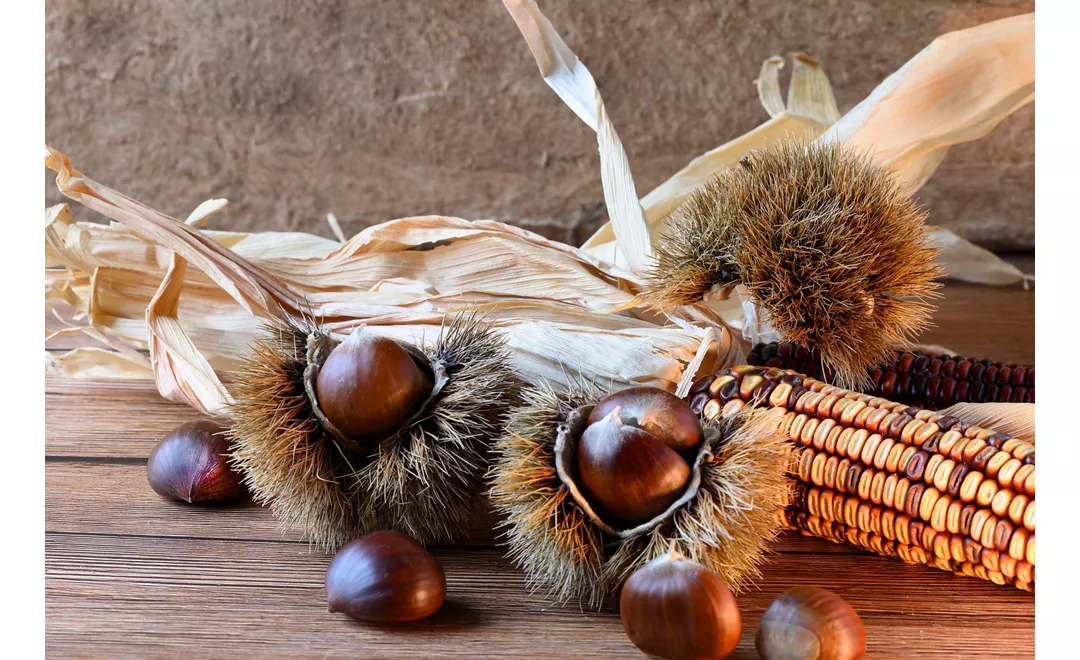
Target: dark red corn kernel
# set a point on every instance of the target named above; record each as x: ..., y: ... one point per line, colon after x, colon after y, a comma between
x: 933, y: 390
x: 794, y: 380
x: 1029, y: 378
x: 767, y: 351
x: 1003, y: 375
x: 916, y: 464
x: 961, y: 427
x: 1018, y: 394
x: 854, y: 472
x: 697, y: 404
x: 808, y: 368
x: 875, y: 380
x: 763, y: 391
x: 998, y: 439
x: 911, y: 411
x: 990, y: 375
x: 911, y: 504
x: 963, y: 369
x: 962, y: 388
x: 796, y: 392
x: 701, y: 384
x: 888, y: 385
x: 774, y: 362
x: 991, y: 394
x: 956, y: 479
x: 930, y: 446
x: 801, y: 353
x: 935, y: 366
x: 976, y: 392
x: 897, y: 426
x: 948, y: 391
x: 728, y: 391
x: 784, y: 349
x: 1029, y: 459
x: 948, y: 368
x: 980, y: 459
x: 1030, y: 398
x: 919, y: 364
x: 987, y: 363
x: 918, y: 386
x: 1017, y: 377
x: 903, y: 365
x: 1005, y: 393
x: 947, y: 422
x: 977, y: 371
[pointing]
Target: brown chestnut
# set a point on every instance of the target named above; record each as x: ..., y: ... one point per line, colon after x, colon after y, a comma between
x: 657, y: 411
x: 369, y: 385
x: 628, y: 471
x: 385, y: 577
x: 191, y: 465
x: 675, y: 608
x: 811, y: 623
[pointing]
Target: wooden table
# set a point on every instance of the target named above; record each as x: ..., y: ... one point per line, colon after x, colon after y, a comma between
x: 131, y: 575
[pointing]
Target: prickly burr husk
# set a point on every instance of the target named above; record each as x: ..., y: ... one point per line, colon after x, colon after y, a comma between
x: 423, y: 478
x: 826, y: 242
x: 574, y: 550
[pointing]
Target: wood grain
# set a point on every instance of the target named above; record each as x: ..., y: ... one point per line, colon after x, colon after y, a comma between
x: 239, y: 598
x: 131, y: 575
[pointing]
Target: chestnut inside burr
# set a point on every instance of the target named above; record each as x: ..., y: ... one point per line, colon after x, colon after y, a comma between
x: 435, y: 378
x: 566, y: 452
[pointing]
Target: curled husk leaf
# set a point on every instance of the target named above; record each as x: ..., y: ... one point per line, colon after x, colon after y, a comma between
x: 424, y: 480
x: 724, y: 520
x: 825, y: 241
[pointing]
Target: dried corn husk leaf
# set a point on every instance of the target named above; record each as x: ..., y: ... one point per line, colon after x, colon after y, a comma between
x: 971, y: 263
x: 98, y: 363
x: 552, y: 302
x: 569, y: 78
x: 1016, y: 419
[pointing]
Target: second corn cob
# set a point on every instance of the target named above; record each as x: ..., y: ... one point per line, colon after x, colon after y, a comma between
x: 894, y: 479
x: 927, y: 380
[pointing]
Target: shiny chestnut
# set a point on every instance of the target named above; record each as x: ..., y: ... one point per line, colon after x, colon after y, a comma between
x: 385, y: 577
x: 191, y: 465
x: 811, y: 623
x: 369, y: 385
x: 677, y: 609
x: 628, y: 471
x: 657, y: 411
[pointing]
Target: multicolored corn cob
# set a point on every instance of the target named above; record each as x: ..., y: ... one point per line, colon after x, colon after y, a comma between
x: 893, y: 479
x: 926, y: 380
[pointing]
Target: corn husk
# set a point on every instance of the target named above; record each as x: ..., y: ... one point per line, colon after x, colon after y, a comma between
x: 194, y: 299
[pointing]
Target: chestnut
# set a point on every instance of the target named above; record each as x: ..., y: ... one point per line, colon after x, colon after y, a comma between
x: 385, y: 577
x: 369, y: 385
x: 191, y: 465
x: 810, y: 622
x: 675, y: 608
x: 657, y: 411
x: 628, y: 471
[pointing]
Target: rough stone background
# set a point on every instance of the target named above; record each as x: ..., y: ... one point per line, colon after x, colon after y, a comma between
x: 378, y: 109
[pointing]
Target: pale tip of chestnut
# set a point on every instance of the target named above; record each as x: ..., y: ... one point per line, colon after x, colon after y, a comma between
x: 191, y: 465
x: 810, y: 622
x: 385, y: 577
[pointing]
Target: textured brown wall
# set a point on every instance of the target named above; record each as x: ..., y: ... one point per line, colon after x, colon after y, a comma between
x: 381, y: 109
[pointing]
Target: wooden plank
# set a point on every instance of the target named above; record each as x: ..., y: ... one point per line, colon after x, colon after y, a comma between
x: 109, y: 596
x: 104, y: 498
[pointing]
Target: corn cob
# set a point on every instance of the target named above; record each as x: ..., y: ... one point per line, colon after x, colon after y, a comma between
x: 894, y: 479
x: 926, y: 380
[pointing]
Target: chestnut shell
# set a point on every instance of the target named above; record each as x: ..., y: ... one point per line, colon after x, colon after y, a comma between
x: 657, y: 411
x: 385, y: 577
x: 191, y: 465
x: 677, y: 609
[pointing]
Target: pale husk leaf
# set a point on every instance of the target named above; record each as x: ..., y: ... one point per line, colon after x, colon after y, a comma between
x: 1016, y: 419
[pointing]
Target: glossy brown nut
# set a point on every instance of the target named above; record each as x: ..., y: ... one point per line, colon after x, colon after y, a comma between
x: 659, y: 412
x: 810, y: 622
x: 676, y: 608
x: 191, y: 465
x: 628, y: 471
x: 385, y: 577
x: 369, y: 385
